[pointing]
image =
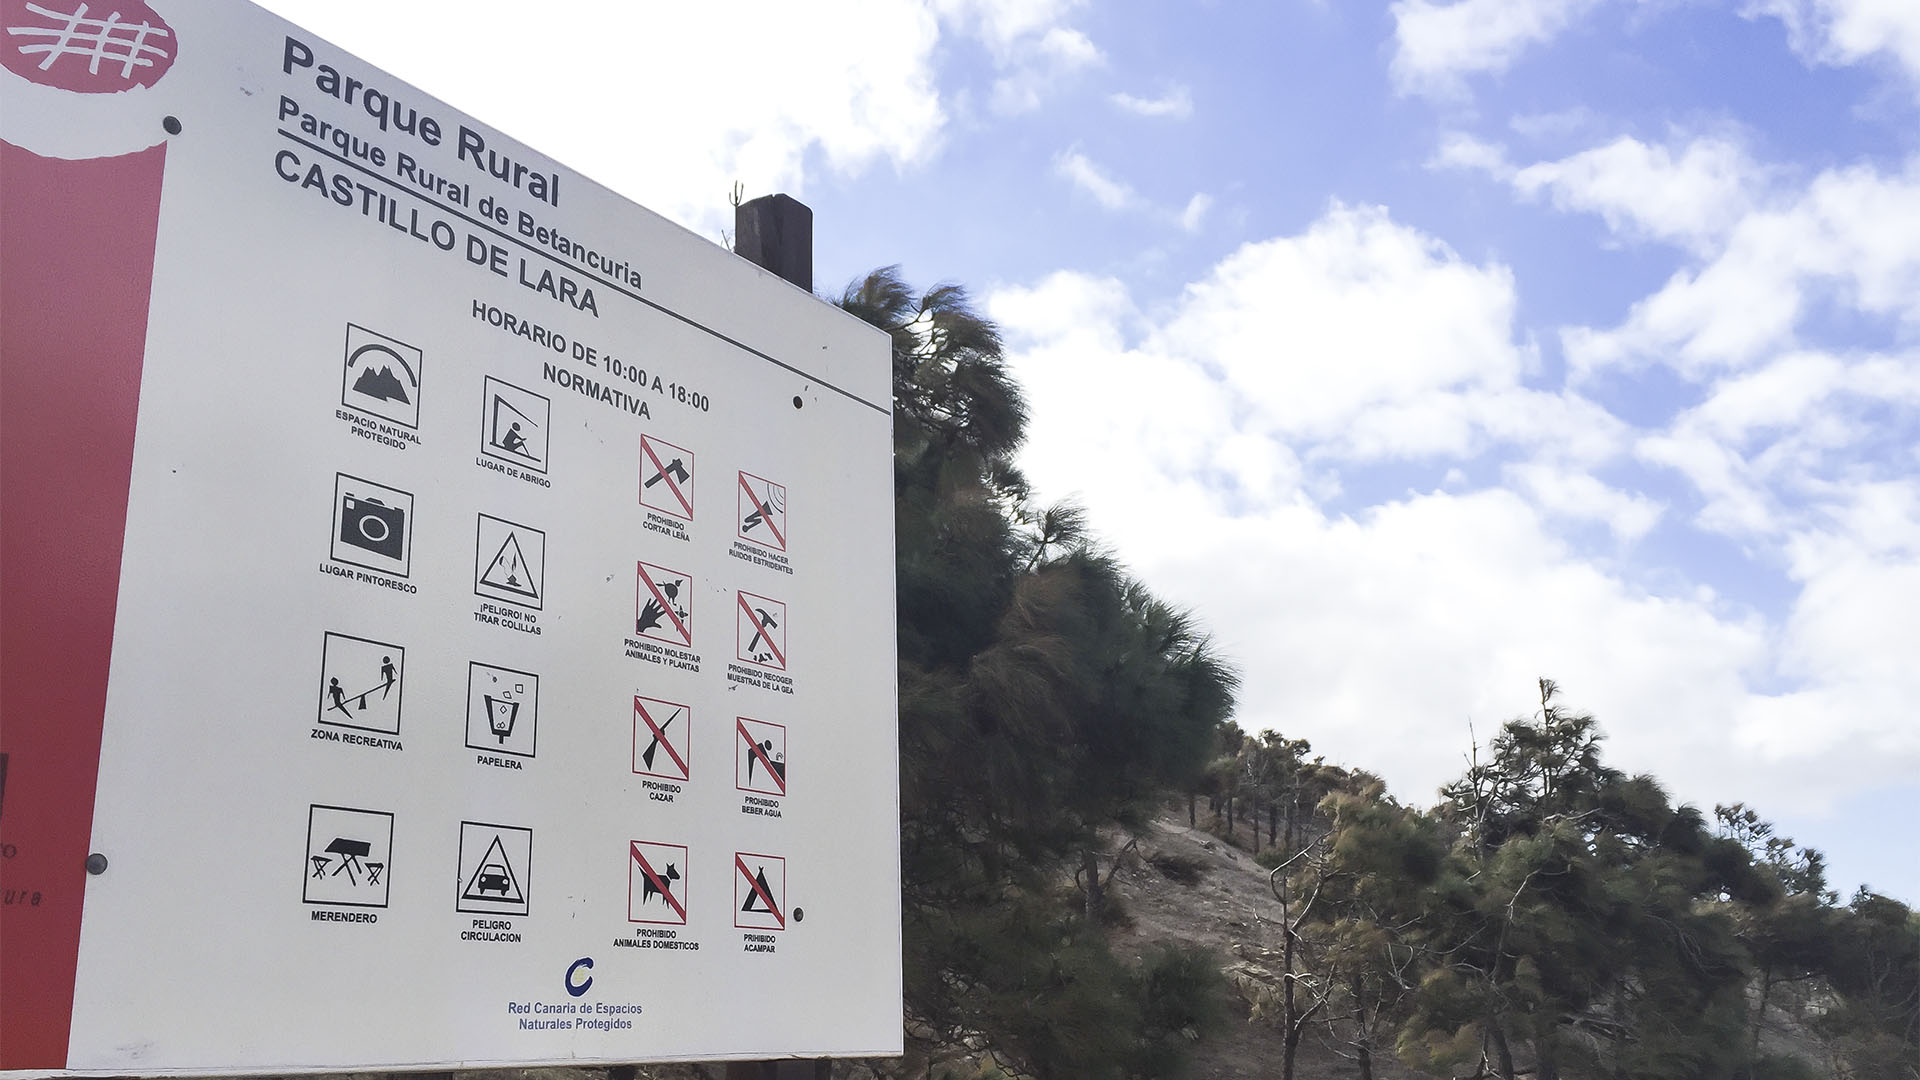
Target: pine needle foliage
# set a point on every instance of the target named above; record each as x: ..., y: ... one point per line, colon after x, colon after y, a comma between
x: 1045, y: 696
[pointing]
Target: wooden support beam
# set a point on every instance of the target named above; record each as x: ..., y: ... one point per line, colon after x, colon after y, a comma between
x: 775, y: 232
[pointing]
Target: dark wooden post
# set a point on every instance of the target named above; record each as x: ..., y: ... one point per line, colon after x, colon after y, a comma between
x: 775, y: 232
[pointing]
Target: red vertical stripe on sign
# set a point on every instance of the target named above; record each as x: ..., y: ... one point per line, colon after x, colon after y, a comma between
x: 76, y: 272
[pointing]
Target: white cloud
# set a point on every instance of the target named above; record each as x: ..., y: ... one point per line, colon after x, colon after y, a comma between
x: 1361, y: 335
x: 1691, y: 196
x: 1206, y: 437
x: 1438, y: 45
x: 1030, y: 42
x: 1079, y: 170
x: 1058, y: 53
x: 1571, y: 493
x: 1176, y: 103
x: 1195, y: 213
x: 1007, y: 27
x: 1117, y: 195
x: 1778, y: 451
x: 1459, y: 150
x: 671, y: 104
x: 1852, y: 239
x: 1849, y: 31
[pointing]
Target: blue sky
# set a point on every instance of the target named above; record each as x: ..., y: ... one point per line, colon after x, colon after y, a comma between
x: 1421, y: 347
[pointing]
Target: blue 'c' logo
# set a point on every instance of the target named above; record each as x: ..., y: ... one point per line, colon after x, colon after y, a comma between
x: 581, y: 987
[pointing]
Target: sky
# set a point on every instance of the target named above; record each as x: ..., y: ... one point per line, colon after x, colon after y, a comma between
x: 1420, y: 348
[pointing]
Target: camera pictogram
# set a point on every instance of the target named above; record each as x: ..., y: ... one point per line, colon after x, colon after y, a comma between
x: 372, y: 525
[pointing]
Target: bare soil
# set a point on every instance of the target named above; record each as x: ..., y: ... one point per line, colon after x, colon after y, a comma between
x: 1231, y: 911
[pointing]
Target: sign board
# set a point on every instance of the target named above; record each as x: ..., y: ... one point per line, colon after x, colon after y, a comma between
x: 400, y: 532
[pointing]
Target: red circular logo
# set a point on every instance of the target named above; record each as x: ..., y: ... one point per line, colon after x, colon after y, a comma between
x: 87, y: 46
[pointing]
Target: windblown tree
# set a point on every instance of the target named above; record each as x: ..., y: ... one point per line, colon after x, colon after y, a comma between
x: 1568, y: 931
x: 1045, y: 698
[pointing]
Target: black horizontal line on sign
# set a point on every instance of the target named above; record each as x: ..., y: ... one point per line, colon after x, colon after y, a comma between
x: 582, y: 271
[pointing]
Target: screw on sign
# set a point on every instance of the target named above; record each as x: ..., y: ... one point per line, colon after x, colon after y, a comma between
x: 93, y: 176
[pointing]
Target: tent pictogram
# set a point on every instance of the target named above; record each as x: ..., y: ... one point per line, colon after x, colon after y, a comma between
x: 662, y: 745
x: 496, y: 867
x: 666, y: 477
x: 760, y: 756
x: 510, y: 562
x: 762, y: 625
x: 663, y: 602
x: 348, y: 856
x: 763, y: 511
x: 656, y: 890
x: 514, y: 424
x: 759, y: 891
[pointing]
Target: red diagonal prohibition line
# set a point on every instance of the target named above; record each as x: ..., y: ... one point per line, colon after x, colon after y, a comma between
x: 646, y: 445
x: 659, y: 884
x: 766, y: 514
x: 780, y: 781
x: 685, y: 634
x: 772, y: 907
x: 662, y: 736
x: 752, y: 618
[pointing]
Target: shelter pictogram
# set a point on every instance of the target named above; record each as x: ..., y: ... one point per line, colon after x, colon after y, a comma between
x: 514, y: 424
x: 496, y: 869
x: 381, y: 377
x: 759, y: 891
x: 503, y: 709
x: 510, y: 562
x: 663, y: 605
x: 372, y: 525
x: 762, y: 516
x: 666, y: 477
x: 760, y: 756
x: 762, y: 627
x: 662, y: 739
x: 360, y: 683
x: 656, y: 883
x: 348, y: 856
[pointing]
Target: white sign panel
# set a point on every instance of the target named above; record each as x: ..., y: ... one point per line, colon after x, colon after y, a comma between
x: 488, y: 544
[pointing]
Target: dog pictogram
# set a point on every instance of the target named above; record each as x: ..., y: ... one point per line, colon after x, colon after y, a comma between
x: 655, y: 883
